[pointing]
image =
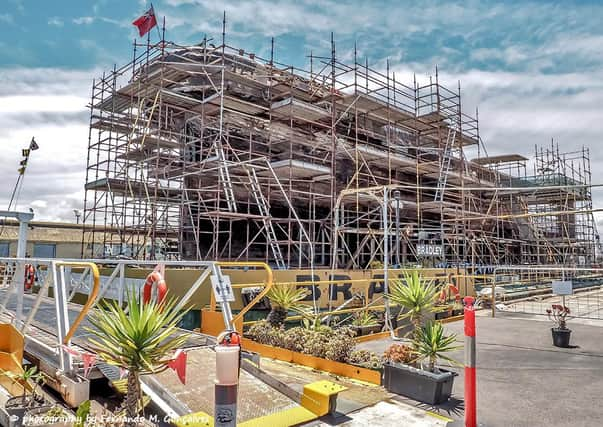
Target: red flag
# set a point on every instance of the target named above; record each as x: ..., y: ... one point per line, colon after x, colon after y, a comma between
x: 146, y: 22
x: 178, y: 364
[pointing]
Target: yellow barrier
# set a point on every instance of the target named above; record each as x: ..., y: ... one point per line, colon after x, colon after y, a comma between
x: 337, y: 368
x: 91, y: 298
x: 12, y: 343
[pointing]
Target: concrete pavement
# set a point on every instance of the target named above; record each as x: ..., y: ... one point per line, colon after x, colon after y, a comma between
x: 523, y: 381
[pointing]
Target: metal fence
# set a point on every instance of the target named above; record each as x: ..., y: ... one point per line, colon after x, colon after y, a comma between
x: 532, y: 290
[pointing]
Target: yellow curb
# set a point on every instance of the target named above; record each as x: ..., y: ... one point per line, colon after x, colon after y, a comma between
x: 440, y: 417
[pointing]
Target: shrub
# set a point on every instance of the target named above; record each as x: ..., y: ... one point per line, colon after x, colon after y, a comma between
x: 399, y: 353
x: 333, y: 344
x: 365, y: 359
x: 264, y: 333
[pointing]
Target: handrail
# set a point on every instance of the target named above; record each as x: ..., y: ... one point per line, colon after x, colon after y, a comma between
x: 259, y: 296
x: 91, y: 297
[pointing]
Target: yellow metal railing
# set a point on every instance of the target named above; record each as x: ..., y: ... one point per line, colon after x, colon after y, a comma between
x: 91, y: 297
x: 258, y: 297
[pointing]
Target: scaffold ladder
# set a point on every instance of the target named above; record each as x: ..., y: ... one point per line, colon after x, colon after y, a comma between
x: 445, y: 165
x: 225, y: 176
x: 256, y: 190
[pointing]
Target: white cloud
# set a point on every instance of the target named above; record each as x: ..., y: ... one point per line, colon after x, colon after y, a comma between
x: 50, y: 105
x: 87, y: 20
x: 17, y: 104
x: 6, y: 18
x: 84, y: 20
x: 56, y: 21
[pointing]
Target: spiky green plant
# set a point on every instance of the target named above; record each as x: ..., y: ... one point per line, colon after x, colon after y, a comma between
x: 430, y: 344
x: 141, y: 340
x: 365, y: 319
x: 313, y: 322
x: 25, y: 378
x: 285, y: 298
x: 415, y: 295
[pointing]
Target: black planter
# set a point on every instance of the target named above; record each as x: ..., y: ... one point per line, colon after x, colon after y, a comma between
x: 561, y: 337
x: 366, y: 330
x: 439, y: 315
x: 458, y: 312
x: 427, y: 387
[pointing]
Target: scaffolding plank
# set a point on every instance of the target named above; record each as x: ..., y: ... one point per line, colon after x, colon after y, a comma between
x: 295, y: 108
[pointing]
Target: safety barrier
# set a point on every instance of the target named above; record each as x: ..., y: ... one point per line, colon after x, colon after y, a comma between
x: 360, y: 295
x: 531, y: 290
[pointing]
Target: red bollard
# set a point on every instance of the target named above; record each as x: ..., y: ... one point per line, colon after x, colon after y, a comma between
x: 470, y: 377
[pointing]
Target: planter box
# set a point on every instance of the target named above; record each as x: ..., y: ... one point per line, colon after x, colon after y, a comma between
x: 337, y: 368
x: 443, y: 314
x: 427, y: 387
x: 367, y: 330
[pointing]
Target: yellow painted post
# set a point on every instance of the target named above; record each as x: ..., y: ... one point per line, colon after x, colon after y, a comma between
x: 320, y: 397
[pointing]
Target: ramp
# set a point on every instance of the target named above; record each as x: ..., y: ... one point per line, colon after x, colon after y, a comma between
x: 47, y: 326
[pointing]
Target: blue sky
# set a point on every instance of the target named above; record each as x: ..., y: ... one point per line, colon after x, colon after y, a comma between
x: 534, y: 69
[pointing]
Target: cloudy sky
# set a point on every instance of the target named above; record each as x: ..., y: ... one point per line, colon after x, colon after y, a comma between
x: 534, y: 69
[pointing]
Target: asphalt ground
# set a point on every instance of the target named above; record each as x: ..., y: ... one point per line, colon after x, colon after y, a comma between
x: 523, y: 381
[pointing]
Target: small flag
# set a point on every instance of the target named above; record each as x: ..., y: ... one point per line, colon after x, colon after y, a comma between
x: 25, y: 152
x: 146, y: 22
x: 33, y: 145
x: 178, y: 364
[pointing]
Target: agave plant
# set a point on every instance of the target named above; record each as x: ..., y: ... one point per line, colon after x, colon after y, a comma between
x: 284, y: 298
x: 365, y: 319
x: 141, y: 341
x: 430, y: 344
x: 414, y: 294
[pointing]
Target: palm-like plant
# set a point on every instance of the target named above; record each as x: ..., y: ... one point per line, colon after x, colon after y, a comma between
x: 282, y: 299
x: 414, y: 294
x: 430, y: 343
x: 364, y: 319
x: 141, y: 340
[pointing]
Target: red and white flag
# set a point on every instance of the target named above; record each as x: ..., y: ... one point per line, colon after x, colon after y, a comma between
x: 146, y: 22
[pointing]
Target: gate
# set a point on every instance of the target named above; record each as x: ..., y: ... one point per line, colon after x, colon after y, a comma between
x: 532, y: 290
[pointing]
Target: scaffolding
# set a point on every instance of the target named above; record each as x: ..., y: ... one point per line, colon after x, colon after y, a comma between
x: 209, y: 152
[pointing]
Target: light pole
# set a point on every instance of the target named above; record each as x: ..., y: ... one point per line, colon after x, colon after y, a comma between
x: 77, y: 214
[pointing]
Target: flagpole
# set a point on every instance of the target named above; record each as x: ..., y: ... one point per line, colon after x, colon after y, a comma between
x: 157, y: 26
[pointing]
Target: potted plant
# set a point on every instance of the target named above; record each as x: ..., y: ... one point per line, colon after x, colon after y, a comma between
x: 412, y: 370
x: 561, y: 334
x: 449, y: 301
x: 416, y: 297
x: 141, y: 340
x: 284, y: 298
x: 457, y: 308
x: 442, y: 311
x: 30, y: 399
x: 365, y: 323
